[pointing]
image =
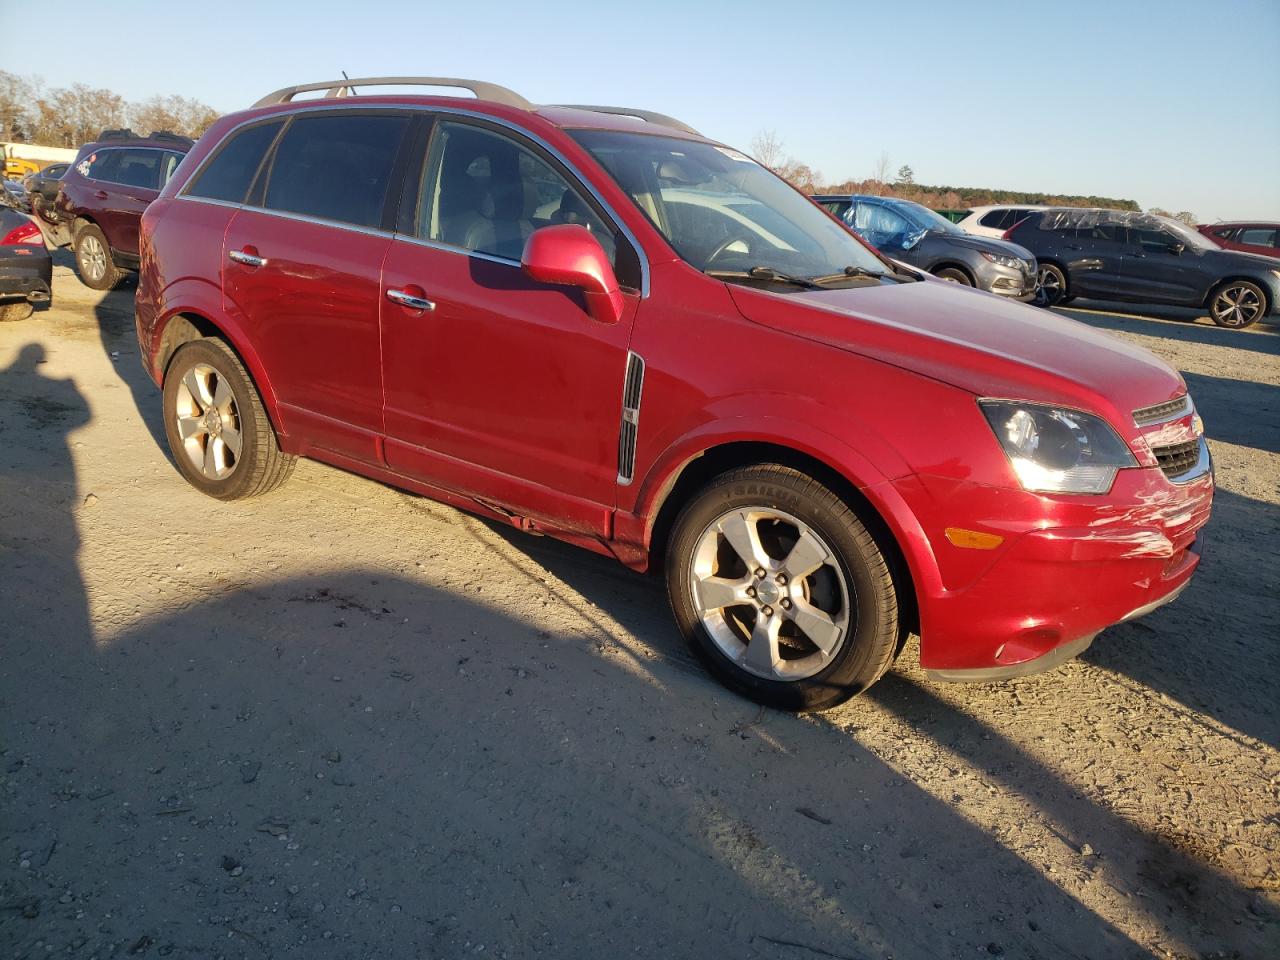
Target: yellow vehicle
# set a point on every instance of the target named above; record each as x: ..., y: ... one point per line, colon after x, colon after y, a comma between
x: 15, y: 168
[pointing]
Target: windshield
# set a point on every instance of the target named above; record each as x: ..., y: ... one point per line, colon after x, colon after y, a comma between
x: 1192, y: 238
x: 925, y: 218
x: 722, y: 211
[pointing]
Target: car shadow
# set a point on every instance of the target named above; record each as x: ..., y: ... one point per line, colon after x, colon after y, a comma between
x: 114, y: 313
x: 1174, y: 323
x: 1241, y: 412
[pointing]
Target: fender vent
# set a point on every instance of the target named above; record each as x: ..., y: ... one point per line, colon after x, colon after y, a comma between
x: 632, y: 390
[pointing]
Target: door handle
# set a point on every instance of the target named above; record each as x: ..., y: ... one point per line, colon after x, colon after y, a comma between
x: 100, y: 194
x: 248, y: 259
x: 406, y: 299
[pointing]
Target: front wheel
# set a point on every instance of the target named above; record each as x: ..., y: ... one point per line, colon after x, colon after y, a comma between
x: 216, y: 425
x: 953, y: 275
x: 1237, y: 304
x: 780, y: 589
x: 1053, y: 285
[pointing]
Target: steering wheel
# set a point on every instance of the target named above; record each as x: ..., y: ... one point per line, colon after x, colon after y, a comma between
x: 725, y: 245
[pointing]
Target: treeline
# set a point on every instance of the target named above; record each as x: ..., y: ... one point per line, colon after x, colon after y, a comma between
x: 74, y: 115
x: 960, y: 198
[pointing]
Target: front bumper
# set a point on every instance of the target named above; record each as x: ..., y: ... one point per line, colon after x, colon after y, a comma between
x: 26, y: 272
x: 1016, y: 284
x: 1066, y: 568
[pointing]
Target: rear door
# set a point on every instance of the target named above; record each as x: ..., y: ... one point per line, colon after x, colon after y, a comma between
x: 302, y: 262
x: 503, y: 388
x: 135, y: 180
x: 1094, y: 258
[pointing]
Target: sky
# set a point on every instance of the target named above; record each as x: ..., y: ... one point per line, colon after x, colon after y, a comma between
x: 1173, y: 104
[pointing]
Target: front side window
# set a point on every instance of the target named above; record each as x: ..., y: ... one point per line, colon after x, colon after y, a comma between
x: 996, y: 219
x: 881, y: 225
x: 141, y: 168
x: 336, y: 166
x: 484, y: 192
x: 723, y: 212
x: 228, y: 175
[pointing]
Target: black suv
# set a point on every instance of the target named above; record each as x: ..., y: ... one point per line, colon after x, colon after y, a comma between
x: 102, y: 196
x: 1144, y: 258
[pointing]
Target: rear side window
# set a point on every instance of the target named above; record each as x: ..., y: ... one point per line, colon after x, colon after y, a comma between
x: 1259, y: 238
x: 228, y: 175
x: 336, y: 167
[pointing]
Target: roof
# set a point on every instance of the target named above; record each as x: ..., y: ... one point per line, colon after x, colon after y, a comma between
x: 486, y: 94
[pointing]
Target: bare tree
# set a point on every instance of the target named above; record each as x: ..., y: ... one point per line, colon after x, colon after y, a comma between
x: 880, y: 174
x: 1187, y: 217
x: 767, y: 148
x: 906, y: 176
x: 180, y: 115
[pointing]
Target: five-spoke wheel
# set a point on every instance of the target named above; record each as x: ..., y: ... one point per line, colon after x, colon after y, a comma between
x: 781, y: 590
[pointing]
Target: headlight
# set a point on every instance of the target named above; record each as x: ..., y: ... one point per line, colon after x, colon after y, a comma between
x: 1001, y: 259
x: 1053, y: 450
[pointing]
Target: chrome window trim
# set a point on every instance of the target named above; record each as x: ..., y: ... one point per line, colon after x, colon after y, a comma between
x: 331, y: 105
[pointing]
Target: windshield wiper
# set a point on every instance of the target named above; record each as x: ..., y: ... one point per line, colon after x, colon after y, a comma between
x: 860, y: 272
x: 768, y: 274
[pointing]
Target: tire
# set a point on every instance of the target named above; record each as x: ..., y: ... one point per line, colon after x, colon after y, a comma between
x: 1237, y: 304
x: 15, y: 311
x: 209, y: 397
x: 1054, y: 285
x: 93, y: 259
x: 953, y: 275
x: 760, y: 641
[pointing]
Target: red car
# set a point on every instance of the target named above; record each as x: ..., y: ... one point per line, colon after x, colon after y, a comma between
x: 597, y: 324
x: 1263, y: 238
x: 102, y: 196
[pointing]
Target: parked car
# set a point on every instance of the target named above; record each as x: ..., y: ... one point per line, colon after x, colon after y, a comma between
x: 917, y: 236
x: 26, y: 269
x: 15, y: 195
x: 597, y: 324
x: 45, y: 178
x: 1263, y: 238
x: 103, y: 194
x: 1144, y: 258
x: 994, y: 220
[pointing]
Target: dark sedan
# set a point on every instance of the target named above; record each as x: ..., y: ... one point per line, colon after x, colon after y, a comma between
x: 26, y: 271
x: 1143, y: 258
x: 43, y: 185
x: 917, y: 236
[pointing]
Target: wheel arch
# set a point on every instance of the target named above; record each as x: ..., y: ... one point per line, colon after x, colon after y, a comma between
x: 697, y: 471
x: 184, y: 325
x: 1267, y: 302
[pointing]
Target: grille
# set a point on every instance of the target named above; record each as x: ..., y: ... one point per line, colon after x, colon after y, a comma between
x: 1168, y: 410
x: 1176, y: 459
x: 632, y: 389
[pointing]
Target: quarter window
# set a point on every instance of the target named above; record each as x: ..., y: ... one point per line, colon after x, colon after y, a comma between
x: 229, y: 173
x: 484, y: 192
x: 336, y: 167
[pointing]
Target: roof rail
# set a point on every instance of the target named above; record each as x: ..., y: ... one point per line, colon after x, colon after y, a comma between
x: 120, y: 133
x: 340, y: 88
x: 661, y: 119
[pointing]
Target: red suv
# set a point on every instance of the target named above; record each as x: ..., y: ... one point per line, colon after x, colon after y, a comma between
x: 597, y: 324
x: 103, y: 194
x: 1263, y: 238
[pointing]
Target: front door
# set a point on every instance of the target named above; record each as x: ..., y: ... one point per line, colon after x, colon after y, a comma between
x: 1159, y: 267
x: 503, y: 388
x: 301, y: 268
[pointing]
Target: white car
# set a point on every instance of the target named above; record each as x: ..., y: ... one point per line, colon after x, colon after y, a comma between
x: 993, y: 221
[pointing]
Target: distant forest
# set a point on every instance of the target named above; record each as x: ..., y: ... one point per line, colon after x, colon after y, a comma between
x: 961, y: 198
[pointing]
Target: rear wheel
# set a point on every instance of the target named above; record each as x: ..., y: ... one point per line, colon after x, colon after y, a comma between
x: 953, y: 275
x: 781, y: 590
x: 216, y: 424
x: 1237, y: 304
x: 93, y: 259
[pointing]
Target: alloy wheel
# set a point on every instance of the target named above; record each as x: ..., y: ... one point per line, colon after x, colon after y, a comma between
x: 208, y: 421
x: 771, y: 593
x: 1050, y: 283
x: 93, y: 258
x: 1236, y: 306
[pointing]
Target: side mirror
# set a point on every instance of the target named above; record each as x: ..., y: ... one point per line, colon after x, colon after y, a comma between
x: 912, y: 240
x: 1177, y: 247
x: 567, y: 254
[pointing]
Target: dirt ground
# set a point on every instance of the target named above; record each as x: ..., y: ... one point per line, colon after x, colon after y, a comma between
x: 342, y: 721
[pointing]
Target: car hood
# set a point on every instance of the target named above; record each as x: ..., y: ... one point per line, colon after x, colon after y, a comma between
x: 1240, y: 259
x: 975, y: 341
x: 988, y: 244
